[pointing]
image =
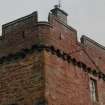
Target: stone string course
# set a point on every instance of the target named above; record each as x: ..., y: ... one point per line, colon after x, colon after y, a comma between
x: 61, y: 54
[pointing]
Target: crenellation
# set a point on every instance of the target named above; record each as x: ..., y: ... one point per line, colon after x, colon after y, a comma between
x: 42, y: 62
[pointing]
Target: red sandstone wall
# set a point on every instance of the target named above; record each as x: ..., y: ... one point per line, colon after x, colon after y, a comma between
x: 101, y: 92
x: 22, y: 81
x: 96, y: 52
x: 65, y: 83
x: 62, y: 36
x: 23, y: 34
x: 18, y: 34
x: 57, y: 34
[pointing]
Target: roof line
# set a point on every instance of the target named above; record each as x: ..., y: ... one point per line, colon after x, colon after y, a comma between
x: 83, y: 38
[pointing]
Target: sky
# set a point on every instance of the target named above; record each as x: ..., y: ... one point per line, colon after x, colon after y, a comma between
x: 86, y: 16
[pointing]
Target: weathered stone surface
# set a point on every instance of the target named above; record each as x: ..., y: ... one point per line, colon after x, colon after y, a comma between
x: 22, y: 82
x: 55, y: 72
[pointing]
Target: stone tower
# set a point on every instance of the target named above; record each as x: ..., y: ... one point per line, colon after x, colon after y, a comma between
x: 43, y: 63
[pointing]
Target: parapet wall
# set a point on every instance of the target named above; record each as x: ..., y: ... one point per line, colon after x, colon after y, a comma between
x: 26, y: 31
x: 91, y: 43
x: 18, y: 34
x: 35, y: 56
x: 20, y: 24
x: 95, y: 51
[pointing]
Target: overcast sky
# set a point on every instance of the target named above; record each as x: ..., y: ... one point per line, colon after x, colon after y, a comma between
x: 86, y: 16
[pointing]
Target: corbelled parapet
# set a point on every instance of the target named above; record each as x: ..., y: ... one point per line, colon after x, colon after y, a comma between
x: 43, y: 63
x: 26, y: 31
x: 18, y: 34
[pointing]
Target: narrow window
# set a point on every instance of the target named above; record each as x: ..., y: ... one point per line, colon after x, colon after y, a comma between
x: 23, y: 35
x: 93, y: 90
